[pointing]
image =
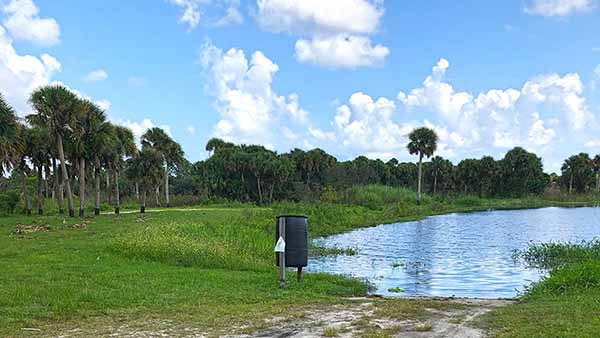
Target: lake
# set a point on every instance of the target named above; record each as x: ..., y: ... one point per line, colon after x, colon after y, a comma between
x: 462, y: 255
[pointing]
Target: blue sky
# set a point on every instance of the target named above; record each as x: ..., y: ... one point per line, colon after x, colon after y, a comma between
x: 350, y: 76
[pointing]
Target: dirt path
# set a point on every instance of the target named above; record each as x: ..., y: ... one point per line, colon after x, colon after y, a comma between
x: 439, y: 318
x: 360, y: 317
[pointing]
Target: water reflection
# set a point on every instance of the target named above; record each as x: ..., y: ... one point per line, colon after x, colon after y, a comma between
x: 463, y: 255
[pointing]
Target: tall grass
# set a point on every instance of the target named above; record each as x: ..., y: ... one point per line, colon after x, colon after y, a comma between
x: 377, y: 196
x: 551, y: 256
x: 239, y: 243
x: 573, y: 267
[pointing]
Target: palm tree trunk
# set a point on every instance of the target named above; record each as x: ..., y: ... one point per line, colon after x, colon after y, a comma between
x: 117, y: 193
x: 57, y: 187
x: 65, y: 175
x: 156, y: 194
x: 434, y: 182
x: 108, y: 189
x: 420, y: 176
x: 571, y: 184
x: 26, y: 204
x: 81, y: 187
x: 259, y: 190
x: 167, y: 186
x: 97, y: 183
x: 46, y: 179
x: 137, y: 191
x: 143, y: 202
x: 40, y: 194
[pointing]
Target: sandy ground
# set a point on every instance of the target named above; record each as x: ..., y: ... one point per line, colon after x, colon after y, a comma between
x: 358, y: 318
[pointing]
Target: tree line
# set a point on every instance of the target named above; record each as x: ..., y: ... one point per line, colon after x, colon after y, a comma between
x: 67, y: 142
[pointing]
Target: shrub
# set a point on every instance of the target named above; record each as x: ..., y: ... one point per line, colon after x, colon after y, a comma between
x: 469, y: 201
x: 329, y: 195
x: 8, y: 202
x: 556, y: 255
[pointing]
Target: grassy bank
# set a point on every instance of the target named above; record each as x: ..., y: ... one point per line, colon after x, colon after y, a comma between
x: 209, y: 266
x: 566, y: 304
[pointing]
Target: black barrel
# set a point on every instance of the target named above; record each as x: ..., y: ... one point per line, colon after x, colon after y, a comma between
x: 296, y: 240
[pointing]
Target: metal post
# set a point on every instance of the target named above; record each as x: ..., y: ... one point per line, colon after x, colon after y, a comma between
x: 282, y: 254
x: 299, y: 274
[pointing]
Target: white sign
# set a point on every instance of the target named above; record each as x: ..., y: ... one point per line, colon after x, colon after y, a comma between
x: 280, y: 246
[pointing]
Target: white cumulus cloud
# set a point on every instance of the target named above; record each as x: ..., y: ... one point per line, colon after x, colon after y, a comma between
x: 557, y: 8
x: 341, y: 51
x: 333, y: 33
x: 23, y: 22
x: 251, y: 111
x: 368, y: 125
x: 21, y: 74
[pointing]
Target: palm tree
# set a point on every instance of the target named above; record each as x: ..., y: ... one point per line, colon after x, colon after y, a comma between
x: 11, y: 143
x: 124, y: 146
x: 38, y: 151
x: 423, y: 142
x: 437, y: 164
x: 56, y: 106
x: 169, y: 150
x: 103, y: 145
x: 568, y: 168
x: 95, y: 139
x: 145, y: 168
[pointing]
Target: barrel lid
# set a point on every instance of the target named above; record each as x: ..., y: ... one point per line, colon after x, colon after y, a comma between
x: 297, y: 216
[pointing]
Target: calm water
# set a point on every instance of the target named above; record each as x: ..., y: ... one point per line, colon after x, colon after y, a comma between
x: 463, y: 255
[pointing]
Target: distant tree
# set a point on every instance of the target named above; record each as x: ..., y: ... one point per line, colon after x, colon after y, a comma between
x: 468, y: 171
x: 171, y: 152
x: 578, y: 172
x: 145, y: 168
x: 488, y: 174
x: 440, y: 174
x: 215, y: 145
x: 423, y: 142
x: 521, y: 173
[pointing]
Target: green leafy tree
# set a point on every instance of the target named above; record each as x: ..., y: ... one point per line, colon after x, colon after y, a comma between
x: 521, y: 173
x: 422, y: 142
x: 56, y: 107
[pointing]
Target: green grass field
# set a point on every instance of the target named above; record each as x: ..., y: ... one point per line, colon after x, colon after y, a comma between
x: 207, y: 266
x: 212, y: 267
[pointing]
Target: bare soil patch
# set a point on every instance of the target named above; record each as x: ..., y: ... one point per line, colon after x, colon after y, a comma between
x: 359, y: 317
